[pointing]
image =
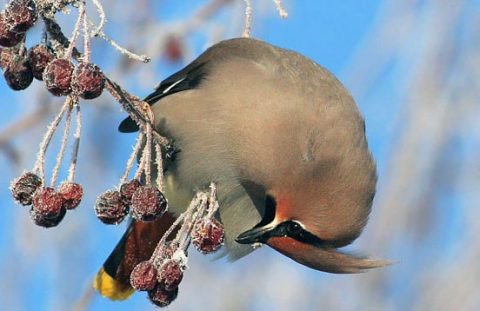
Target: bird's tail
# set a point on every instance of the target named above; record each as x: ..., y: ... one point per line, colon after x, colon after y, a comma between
x: 135, y: 246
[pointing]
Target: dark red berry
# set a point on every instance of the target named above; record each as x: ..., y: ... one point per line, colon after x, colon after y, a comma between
x: 40, y: 220
x: 148, y: 203
x: 71, y: 193
x: 58, y: 76
x: 47, y: 203
x: 110, y: 207
x: 144, y: 276
x: 162, y: 297
x: 24, y: 187
x: 21, y: 15
x: 39, y: 56
x: 18, y: 73
x: 8, y: 38
x: 208, y: 235
x: 171, y: 274
x: 88, y: 81
x: 128, y: 189
x: 168, y: 250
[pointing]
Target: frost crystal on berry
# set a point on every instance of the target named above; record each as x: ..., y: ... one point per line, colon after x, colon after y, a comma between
x: 171, y: 274
x: 6, y: 55
x: 208, y: 235
x: 110, y: 207
x: 24, y: 187
x: 40, y: 220
x: 148, y: 203
x: 21, y: 15
x: 71, y: 193
x: 128, y: 189
x: 39, y: 56
x: 58, y: 76
x: 144, y: 276
x: 18, y: 73
x: 8, y: 38
x: 88, y: 81
x: 47, y: 203
x: 162, y: 297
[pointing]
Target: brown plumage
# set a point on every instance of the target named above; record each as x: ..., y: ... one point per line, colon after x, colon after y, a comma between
x: 285, y: 143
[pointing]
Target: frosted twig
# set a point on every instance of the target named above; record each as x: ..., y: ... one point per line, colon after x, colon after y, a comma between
x: 248, y: 18
x: 76, y: 30
x: 61, y: 153
x: 40, y: 162
x: 148, y: 155
x: 86, y: 41
x: 159, y: 161
x: 76, y: 143
x: 281, y: 10
x: 142, y: 58
x: 103, y: 18
x: 141, y: 166
x: 191, y: 220
x: 133, y: 156
x: 213, y: 202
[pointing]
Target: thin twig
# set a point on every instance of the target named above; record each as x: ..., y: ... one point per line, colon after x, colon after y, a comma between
x: 281, y: 10
x: 76, y: 30
x: 131, y: 159
x: 159, y: 161
x: 248, y: 18
x: 103, y: 18
x: 76, y: 143
x: 148, y: 155
x: 142, y: 58
x: 61, y: 153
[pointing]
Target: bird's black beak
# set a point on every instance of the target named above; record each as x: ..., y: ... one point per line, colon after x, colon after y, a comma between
x: 257, y: 234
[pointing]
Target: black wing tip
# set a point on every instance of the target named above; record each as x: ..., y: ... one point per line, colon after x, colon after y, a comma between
x: 128, y: 126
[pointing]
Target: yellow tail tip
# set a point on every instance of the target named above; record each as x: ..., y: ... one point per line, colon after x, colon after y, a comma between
x: 110, y: 288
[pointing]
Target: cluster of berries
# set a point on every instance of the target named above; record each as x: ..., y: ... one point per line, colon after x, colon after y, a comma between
x: 48, y: 206
x: 161, y: 275
x: 20, y: 66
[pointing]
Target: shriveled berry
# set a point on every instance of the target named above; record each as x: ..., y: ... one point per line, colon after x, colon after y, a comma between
x: 208, y: 235
x: 128, y: 189
x: 47, y: 203
x: 21, y: 15
x: 58, y: 76
x: 171, y: 274
x: 18, y: 73
x: 71, y: 193
x: 148, y: 203
x: 110, y: 207
x: 88, y: 81
x: 162, y: 297
x: 39, y: 56
x: 8, y: 38
x: 144, y: 276
x: 40, y: 220
x: 24, y: 187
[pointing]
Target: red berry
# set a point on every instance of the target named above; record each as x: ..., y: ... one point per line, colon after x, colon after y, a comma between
x: 58, y: 76
x: 208, y: 235
x: 144, y: 276
x: 24, y: 187
x: 71, y: 193
x: 47, y: 203
x: 173, y: 49
x: 168, y: 250
x: 47, y: 222
x: 110, y: 207
x: 128, y: 189
x: 8, y: 38
x: 21, y: 15
x: 18, y: 73
x: 171, y: 274
x: 162, y: 297
x: 39, y: 56
x: 88, y: 81
x: 148, y: 203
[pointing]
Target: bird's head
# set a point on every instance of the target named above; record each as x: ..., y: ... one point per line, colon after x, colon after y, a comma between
x: 309, y: 226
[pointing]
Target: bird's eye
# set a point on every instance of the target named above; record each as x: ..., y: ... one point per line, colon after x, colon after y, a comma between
x: 294, y: 228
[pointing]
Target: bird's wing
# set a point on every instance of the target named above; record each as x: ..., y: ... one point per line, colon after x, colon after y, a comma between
x: 188, y: 78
